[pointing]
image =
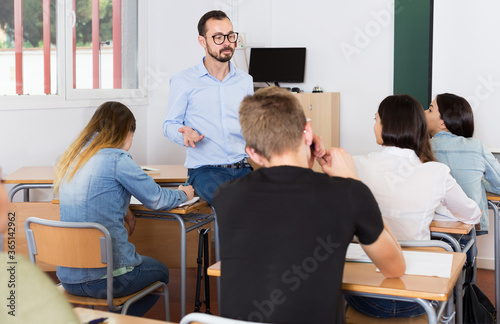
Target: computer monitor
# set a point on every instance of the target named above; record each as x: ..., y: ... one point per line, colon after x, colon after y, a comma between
x: 277, y: 64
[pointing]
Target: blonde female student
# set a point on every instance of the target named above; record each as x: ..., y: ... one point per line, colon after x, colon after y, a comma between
x: 95, y: 179
x: 408, y: 185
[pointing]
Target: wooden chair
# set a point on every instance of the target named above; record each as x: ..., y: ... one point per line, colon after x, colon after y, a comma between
x: 355, y: 317
x: 83, y: 245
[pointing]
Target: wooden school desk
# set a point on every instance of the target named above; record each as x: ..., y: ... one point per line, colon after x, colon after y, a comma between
x: 493, y: 201
x: 362, y: 279
x: 445, y: 229
x: 37, y: 177
x: 192, y: 214
x: 33, y: 177
x: 86, y: 315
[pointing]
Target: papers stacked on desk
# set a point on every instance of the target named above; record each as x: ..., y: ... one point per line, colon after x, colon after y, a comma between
x: 417, y: 262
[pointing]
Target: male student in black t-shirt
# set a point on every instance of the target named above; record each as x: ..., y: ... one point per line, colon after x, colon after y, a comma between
x: 285, y: 228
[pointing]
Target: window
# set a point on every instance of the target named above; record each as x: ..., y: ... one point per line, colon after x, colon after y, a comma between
x: 53, y: 53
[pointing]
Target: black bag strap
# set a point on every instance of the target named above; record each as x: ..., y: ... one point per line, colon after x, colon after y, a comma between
x: 197, y: 302
x: 205, y: 268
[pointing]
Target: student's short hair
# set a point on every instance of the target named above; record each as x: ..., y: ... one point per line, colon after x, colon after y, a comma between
x: 272, y: 121
x: 214, y: 14
x: 404, y: 125
x: 456, y: 113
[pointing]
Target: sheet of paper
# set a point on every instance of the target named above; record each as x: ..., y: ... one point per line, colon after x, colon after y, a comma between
x: 135, y: 201
x: 150, y: 170
x: 190, y: 201
x: 428, y: 263
x: 417, y: 262
x: 355, y: 253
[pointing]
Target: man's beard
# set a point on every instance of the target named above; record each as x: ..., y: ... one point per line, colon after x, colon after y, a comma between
x: 219, y: 56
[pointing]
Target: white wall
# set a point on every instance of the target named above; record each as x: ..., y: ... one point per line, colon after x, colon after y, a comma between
x: 467, y: 60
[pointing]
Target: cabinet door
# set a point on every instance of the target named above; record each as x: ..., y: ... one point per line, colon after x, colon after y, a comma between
x: 305, y: 101
x: 325, y: 117
x: 323, y: 112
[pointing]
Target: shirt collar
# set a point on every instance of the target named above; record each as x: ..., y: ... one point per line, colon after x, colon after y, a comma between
x: 402, y: 152
x: 202, y: 70
x: 444, y: 134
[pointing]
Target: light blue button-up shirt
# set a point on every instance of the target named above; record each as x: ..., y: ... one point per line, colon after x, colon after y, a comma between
x: 210, y: 107
x: 469, y: 162
x: 100, y: 192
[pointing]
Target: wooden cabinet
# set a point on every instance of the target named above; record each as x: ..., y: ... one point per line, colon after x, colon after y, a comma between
x: 323, y: 110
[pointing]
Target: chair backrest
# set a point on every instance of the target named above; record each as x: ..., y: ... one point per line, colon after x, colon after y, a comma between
x: 210, y: 319
x: 21, y: 211
x: 433, y: 245
x: 69, y: 244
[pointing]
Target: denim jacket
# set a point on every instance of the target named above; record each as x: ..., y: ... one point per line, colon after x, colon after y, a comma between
x: 469, y: 162
x: 100, y: 192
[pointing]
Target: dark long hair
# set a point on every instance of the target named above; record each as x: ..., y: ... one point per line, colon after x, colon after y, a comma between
x: 456, y: 113
x: 404, y: 125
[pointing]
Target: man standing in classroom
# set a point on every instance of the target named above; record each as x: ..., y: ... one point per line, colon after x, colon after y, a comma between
x: 202, y: 111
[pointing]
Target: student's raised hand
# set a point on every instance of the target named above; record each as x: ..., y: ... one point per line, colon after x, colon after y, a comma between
x: 317, y: 149
x: 188, y: 190
x: 338, y: 163
x: 190, y: 136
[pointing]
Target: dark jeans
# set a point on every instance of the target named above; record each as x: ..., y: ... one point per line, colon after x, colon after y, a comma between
x: 148, y: 272
x: 384, y: 308
x: 206, y: 179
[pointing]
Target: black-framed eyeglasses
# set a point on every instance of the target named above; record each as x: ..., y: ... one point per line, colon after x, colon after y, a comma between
x: 220, y: 39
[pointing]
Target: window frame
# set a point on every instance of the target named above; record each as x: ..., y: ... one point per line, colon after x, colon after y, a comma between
x: 66, y: 96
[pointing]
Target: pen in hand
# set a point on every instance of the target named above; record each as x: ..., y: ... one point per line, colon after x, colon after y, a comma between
x: 187, y: 182
x: 313, y: 148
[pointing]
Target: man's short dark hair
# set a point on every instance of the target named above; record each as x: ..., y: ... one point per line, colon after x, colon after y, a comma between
x: 214, y: 14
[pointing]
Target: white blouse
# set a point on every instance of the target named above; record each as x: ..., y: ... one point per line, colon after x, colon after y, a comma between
x: 408, y: 191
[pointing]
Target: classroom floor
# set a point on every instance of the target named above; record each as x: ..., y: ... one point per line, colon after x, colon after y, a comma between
x: 485, y: 281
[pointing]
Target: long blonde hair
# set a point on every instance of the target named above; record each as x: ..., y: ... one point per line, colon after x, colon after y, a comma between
x: 108, y: 128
